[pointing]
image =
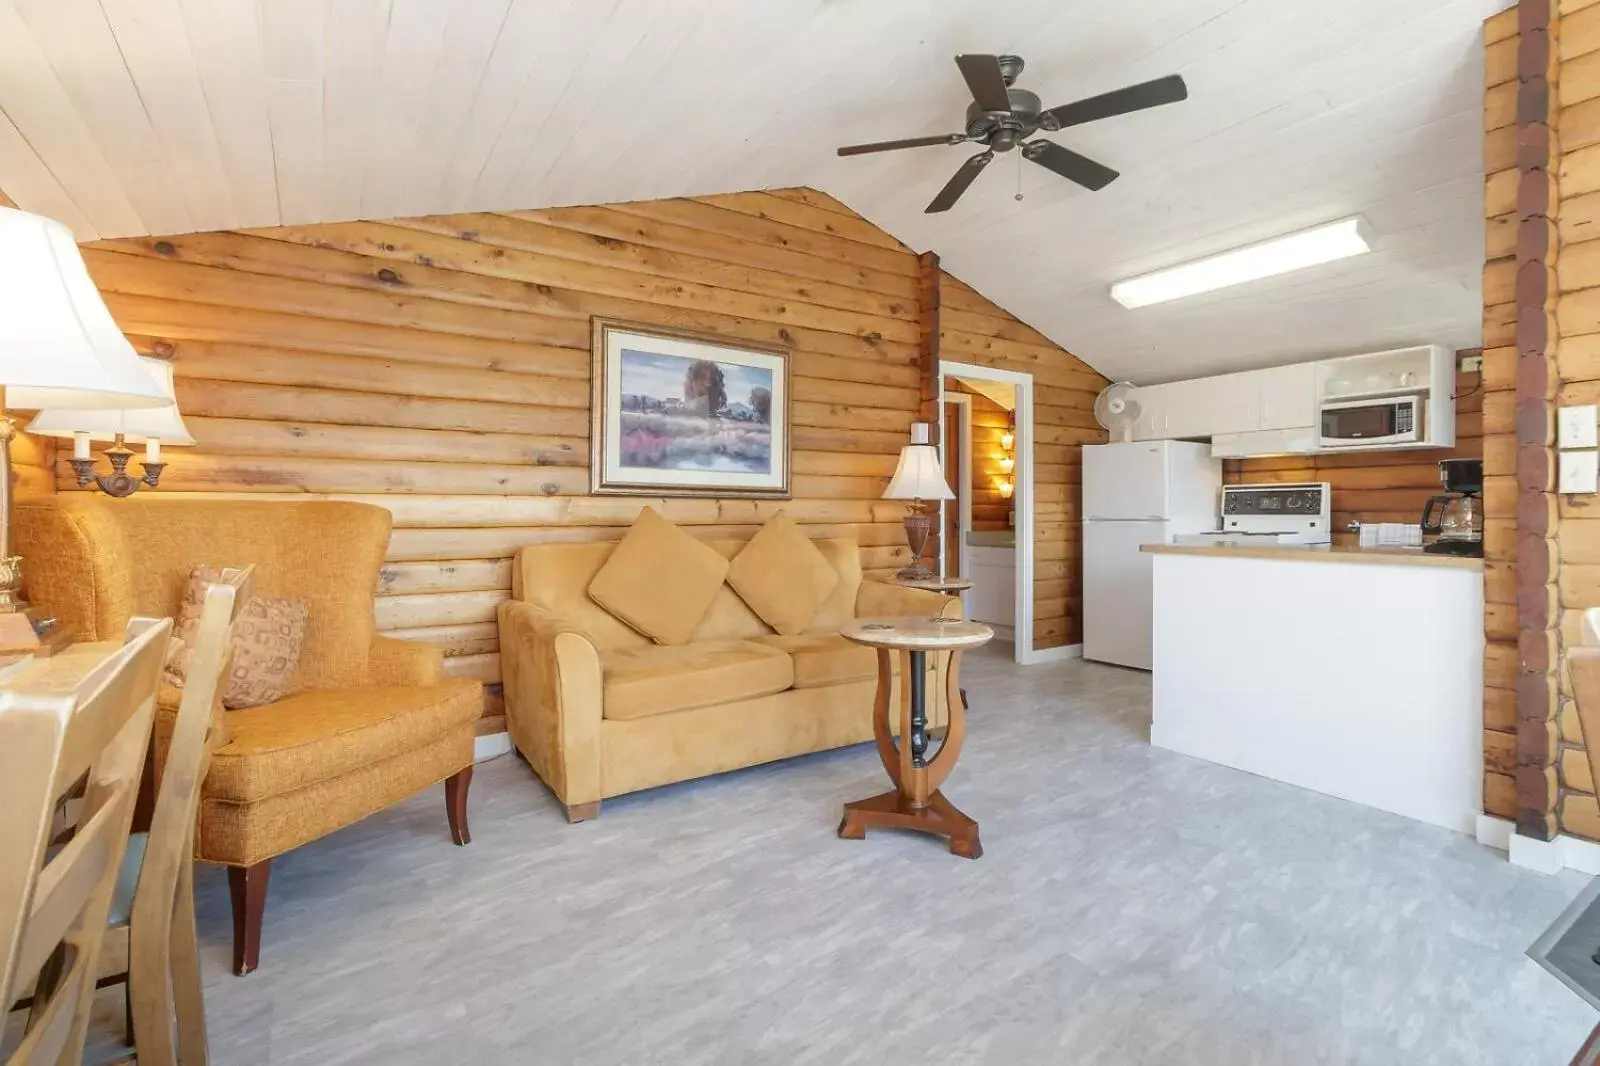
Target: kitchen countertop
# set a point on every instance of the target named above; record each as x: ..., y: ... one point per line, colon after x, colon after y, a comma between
x: 1325, y: 553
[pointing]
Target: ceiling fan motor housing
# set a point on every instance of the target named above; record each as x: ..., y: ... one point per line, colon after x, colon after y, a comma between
x: 1002, y: 130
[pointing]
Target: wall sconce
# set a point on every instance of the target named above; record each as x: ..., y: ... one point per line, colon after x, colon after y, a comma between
x: 1007, y: 487
x: 1008, y: 440
x: 153, y: 427
x: 1007, y: 464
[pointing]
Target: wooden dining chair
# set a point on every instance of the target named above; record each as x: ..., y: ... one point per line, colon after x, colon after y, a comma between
x: 53, y: 906
x: 151, y: 947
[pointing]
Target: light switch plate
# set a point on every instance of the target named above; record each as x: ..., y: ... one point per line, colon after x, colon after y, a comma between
x: 1578, y: 472
x: 1576, y: 426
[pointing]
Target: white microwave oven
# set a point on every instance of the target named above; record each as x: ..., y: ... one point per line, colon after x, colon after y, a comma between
x: 1380, y: 420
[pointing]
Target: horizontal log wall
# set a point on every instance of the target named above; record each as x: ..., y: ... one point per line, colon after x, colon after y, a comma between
x: 974, y: 330
x: 1576, y: 380
x: 439, y: 367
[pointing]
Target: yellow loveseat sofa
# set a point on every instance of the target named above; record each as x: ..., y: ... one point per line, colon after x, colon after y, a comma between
x: 599, y: 710
x: 369, y: 720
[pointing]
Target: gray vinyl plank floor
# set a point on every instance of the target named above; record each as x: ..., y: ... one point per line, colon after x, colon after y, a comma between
x: 1132, y: 906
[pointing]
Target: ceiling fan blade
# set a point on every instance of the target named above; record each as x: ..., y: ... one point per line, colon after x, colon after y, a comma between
x: 988, y: 85
x: 909, y: 142
x: 958, y: 184
x: 1168, y: 90
x: 1069, y: 164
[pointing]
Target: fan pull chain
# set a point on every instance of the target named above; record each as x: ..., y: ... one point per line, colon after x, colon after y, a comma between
x: 1019, y: 177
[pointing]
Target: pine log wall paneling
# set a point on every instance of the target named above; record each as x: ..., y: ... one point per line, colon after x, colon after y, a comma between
x: 991, y: 511
x: 974, y: 330
x: 1384, y: 486
x: 439, y: 367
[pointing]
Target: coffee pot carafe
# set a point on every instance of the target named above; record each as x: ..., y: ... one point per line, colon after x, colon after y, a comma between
x: 1457, y: 518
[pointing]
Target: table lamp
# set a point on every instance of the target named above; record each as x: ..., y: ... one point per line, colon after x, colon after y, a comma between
x: 58, y: 348
x: 918, y: 477
x: 150, y: 426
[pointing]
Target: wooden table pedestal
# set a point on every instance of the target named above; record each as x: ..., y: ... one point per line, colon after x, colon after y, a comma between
x: 916, y: 802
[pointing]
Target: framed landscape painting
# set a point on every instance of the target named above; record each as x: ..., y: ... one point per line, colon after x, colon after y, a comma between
x: 687, y: 414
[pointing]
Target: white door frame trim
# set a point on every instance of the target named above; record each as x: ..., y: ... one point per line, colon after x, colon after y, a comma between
x: 1021, y: 499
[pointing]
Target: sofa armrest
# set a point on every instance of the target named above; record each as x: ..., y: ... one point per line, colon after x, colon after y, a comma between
x: 392, y: 661
x: 878, y: 599
x: 551, y: 671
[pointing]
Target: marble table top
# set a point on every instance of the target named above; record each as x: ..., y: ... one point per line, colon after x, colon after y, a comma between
x: 916, y: 633
x: 1568, y: 948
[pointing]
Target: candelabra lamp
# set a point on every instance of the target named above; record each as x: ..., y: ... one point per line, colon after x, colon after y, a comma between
x: 58, y: 347
x: 918, y: 477
x: 153, y: 426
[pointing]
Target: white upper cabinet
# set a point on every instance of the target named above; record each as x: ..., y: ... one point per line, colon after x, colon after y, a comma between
x: 1276, y: 411
x: 1288, y: 396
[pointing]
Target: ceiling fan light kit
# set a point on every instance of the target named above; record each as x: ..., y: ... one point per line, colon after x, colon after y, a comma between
x: 1280, y: 255
x: 1002, y: 117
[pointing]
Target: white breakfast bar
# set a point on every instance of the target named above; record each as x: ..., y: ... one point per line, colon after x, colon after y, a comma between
x: 1356, y: 672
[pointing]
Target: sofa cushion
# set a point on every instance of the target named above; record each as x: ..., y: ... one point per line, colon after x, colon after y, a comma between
x: 826, y: 659
x: 782, y: 575
x: 659, y: 579
x: 313, y: 736
x: 640, y: 682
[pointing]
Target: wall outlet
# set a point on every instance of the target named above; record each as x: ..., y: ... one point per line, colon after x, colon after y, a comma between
x: 1578, y: 472
x: 1576, y: 426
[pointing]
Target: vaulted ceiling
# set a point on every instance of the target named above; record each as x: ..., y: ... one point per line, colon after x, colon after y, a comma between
x: 125, y: 117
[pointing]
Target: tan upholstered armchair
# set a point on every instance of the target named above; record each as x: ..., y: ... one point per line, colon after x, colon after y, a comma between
x: 370, y: 720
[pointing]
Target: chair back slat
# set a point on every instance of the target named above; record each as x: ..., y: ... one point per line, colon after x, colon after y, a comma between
x: 52, y: 1025
x: 66, y: 885
x: 53, y: 910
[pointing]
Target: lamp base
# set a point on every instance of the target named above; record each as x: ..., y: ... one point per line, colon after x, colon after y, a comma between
x: 919, y: 524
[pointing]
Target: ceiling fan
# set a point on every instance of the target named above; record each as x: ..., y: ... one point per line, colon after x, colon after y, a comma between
x: 1002, y: 118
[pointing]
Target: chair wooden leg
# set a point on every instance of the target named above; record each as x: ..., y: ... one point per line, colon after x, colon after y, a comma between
x: 582, y: 812
x: 188, y: 1000
x: 247, y: 885
x: 455, y: 803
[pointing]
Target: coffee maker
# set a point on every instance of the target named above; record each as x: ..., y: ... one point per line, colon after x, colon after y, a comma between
x: 1457, y: 518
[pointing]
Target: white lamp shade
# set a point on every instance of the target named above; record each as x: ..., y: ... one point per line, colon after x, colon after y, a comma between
x: 918, y: 477
x: 135, y: 424
x: 58, y: 344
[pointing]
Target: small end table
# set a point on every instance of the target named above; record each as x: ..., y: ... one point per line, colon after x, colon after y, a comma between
x: 916, y: 802
x: 947, y: 585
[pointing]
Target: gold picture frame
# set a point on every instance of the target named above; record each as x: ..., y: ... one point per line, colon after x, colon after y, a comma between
x: 676, y: 412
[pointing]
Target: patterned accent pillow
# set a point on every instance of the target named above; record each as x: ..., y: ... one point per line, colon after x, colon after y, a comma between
x: 266, y: 643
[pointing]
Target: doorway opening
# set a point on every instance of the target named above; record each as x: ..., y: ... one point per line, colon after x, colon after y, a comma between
x: 986, y: 531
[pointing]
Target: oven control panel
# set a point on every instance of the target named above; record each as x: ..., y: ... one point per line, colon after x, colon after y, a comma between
x: 1303, y: 512
x: 1275, y: 500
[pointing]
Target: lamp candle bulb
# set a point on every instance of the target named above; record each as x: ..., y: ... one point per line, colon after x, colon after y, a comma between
x: 80, y: 445
x: 152, y: 450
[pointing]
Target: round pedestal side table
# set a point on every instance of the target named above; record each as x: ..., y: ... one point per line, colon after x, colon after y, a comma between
x: 916, y: 802
x: 946, y: 585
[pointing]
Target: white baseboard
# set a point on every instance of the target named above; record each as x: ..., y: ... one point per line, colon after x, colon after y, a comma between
x: 1035, y: 656
x: 490, y: 745
x: 1546, y: 856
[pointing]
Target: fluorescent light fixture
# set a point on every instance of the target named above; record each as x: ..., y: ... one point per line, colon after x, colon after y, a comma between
x: 1321, y: 244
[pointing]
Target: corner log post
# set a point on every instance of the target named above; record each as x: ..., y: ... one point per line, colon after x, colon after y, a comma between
x: 1538, y: 651
x: 928, y: 275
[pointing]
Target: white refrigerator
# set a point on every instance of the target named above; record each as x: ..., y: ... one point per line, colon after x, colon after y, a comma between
x: 1141, y: 492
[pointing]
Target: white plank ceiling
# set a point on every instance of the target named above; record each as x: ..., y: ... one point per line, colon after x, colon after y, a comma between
x: 124, y: 117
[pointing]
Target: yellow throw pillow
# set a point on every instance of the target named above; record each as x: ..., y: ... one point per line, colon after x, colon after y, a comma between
x: 782, y: 575
x: 659, y: 579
